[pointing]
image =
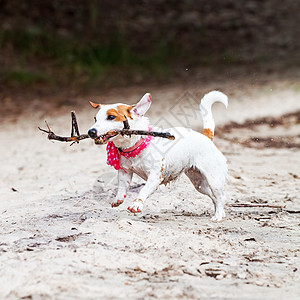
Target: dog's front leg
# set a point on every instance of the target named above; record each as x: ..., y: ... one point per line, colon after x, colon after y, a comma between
x: 124, y: 179
x: 154, y: 180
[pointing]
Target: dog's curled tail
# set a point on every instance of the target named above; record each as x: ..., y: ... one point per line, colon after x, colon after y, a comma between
x: 205, y: 108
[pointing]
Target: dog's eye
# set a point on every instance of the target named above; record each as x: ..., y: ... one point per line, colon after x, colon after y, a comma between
x: 111, y: 117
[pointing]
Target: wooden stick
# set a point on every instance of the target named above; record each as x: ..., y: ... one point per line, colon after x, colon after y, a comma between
x: 78, y: 137
x: 74, y: 124
x: 125, y: 123
x: 130, y: 132
x: 255, y: 205
x: 127, y: 131
x: 53, y: 136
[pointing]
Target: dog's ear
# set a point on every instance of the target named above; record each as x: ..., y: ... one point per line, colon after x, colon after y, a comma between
x: 143, y: 105
x: 95, y: 105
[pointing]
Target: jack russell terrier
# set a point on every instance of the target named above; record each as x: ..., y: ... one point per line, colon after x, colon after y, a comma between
x: 154, y: 159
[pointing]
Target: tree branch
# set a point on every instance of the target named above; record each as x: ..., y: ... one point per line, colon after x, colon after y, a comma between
x: 76, y: 137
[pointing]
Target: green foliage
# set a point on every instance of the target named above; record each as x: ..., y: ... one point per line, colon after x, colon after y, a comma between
x: 69, y: 59
x: 88, y: 60
x: 35, y: 43
x: 23, y: 77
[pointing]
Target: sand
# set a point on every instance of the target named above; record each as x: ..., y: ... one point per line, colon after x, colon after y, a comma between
x: 60, y: 239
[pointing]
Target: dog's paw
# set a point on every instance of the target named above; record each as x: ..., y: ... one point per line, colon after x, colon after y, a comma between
x: 218, y: 216
x: 136, y: 206
x: 116, y: 203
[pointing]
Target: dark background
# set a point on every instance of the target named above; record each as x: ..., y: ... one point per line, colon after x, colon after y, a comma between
x: 85, y: 44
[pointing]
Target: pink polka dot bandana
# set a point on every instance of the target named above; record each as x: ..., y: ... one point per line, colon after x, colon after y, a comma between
x: 113, y: 154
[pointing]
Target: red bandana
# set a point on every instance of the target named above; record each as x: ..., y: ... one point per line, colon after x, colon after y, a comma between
x: 113, y: 154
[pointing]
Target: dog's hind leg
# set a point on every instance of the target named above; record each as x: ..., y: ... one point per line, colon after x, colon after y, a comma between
x: 212, y: 188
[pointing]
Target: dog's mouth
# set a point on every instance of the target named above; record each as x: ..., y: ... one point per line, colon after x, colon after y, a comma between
x: 103, y: 139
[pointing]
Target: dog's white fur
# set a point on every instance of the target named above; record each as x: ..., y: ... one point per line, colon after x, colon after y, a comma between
x: 164, y: 160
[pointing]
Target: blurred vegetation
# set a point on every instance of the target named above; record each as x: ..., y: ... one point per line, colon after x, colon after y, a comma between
x: 75, y: 42
x: 88, y: 61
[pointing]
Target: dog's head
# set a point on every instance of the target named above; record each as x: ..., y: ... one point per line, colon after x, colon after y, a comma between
x: 110, y: 117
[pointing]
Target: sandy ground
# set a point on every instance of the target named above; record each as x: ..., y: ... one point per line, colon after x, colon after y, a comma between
x: 60, y: 239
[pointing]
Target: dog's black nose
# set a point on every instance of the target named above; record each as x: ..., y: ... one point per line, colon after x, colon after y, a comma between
x: 92, y: 133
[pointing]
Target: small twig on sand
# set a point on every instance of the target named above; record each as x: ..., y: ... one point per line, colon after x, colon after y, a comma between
x: 293, y: 211
x: 78, y: 137
x: 255, y: 205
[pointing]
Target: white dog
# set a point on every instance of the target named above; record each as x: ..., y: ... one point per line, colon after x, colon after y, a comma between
x: 157, y: 160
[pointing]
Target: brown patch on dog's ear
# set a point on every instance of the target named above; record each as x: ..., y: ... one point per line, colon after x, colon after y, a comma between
x: 95, y: 105
x: 125, y: 110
